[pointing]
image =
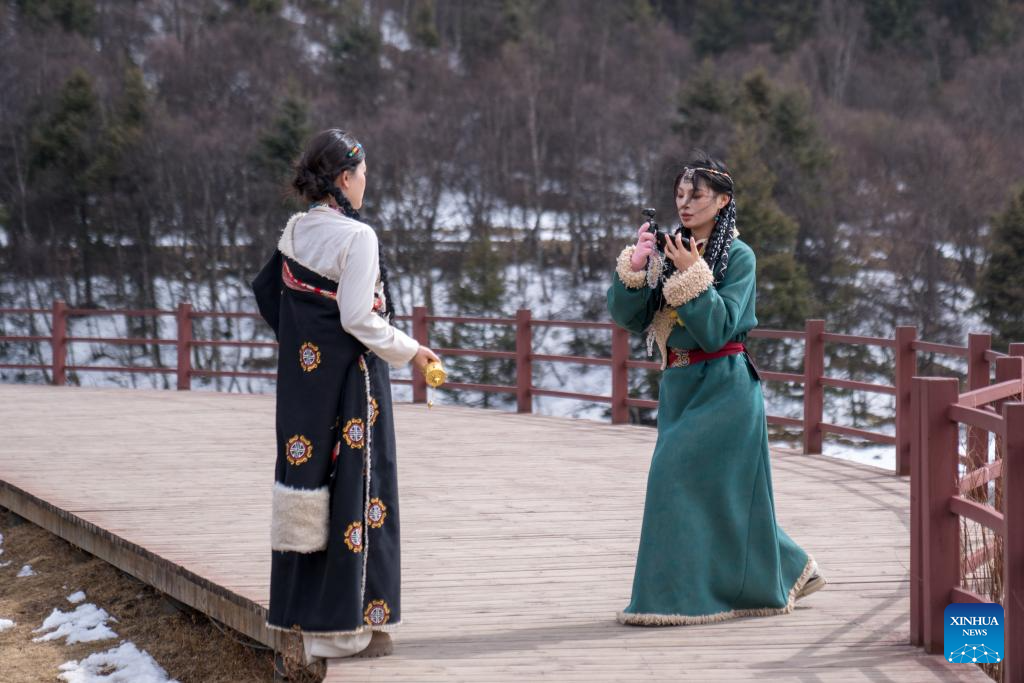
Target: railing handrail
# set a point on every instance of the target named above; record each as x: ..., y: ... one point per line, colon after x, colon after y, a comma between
x: 905, y: 345
x: 941, y: 497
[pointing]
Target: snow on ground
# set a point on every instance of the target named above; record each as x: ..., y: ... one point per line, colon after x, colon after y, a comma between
x: 76, y: 598
x: 26, y: 571
x: 87, y: 623
x: 122, y: 664
x: 6, y: 624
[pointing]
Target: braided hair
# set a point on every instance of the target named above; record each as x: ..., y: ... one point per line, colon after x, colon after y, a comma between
x: 714, y: 175
x: 327, y: 155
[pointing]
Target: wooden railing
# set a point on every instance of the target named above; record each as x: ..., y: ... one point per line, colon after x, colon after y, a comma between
x: 941, y: 497
x: 905, y: 347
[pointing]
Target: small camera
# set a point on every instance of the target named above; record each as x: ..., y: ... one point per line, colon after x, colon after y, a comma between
x: 660, y: 236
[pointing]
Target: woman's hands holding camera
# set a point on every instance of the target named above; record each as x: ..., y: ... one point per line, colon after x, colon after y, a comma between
x: 681, y: 254
x: 644, y: 248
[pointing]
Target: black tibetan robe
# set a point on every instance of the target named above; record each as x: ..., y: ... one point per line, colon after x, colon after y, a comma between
x: 335, y: 536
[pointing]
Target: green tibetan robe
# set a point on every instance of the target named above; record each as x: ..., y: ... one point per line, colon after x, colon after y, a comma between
x: 710, y: 547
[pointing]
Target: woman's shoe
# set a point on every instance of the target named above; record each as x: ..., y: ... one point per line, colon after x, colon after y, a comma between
x: 814, y: 584
x: 380, y: 645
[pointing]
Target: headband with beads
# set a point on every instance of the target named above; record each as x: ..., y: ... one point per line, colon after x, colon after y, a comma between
x: 688, y: 173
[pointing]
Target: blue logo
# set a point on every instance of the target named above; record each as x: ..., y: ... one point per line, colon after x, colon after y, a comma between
x: 973, y: 633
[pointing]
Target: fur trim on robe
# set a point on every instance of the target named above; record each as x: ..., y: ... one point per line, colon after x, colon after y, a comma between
x: 687, y: 620
x: 686, y: 285
x: 300, y: 519
x: 633, y: 279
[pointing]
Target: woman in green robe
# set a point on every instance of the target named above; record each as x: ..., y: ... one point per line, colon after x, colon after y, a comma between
x: 710, y: 547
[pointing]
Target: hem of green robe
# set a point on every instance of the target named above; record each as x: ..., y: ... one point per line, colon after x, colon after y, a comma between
x: 650, y: 619
x: 386, y: 628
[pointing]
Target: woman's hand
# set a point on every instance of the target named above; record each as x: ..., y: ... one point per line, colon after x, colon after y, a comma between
x: 422, y: 357
x: 643, y: 250
x: 677, y: 252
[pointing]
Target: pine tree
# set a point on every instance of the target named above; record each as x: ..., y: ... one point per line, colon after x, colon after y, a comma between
x: 423, y: 25
x: 67, y: 149
x: 282, y: 141
x: 1001, y: 291
x: 76, y: 16
x: 480, y: 290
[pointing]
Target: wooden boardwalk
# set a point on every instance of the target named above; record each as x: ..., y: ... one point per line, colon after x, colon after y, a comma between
x: 519, y: 535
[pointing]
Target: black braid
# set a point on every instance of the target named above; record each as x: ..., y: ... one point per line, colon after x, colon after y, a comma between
x: 720, y: 242
x: 346, y: 208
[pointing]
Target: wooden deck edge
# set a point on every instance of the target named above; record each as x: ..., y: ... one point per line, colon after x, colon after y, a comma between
x: 230, y: 609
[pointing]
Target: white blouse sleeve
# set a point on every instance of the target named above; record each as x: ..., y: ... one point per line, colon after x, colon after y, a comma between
x: 359, y: 271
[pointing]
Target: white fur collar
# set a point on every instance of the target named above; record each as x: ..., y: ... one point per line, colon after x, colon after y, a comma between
x: 286, y: 245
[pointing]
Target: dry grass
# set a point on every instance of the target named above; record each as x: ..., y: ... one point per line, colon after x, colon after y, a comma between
x: 184, y: 642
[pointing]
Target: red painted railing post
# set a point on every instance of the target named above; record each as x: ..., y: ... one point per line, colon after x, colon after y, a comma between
x: 940, y: 529
x: 978, y: 373
x: 421, y: 333
x: 184, y: 320
x: 814, y: 392
x: 906, y: 368
x: 58, y: 342
x: 524, y: 363
x: 1006, y: 370
x: 1013, y: 543
x: 916, y: 512
x: 1017, y: 349
x: 620, y: 375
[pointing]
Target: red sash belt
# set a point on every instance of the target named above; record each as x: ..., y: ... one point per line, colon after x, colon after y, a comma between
x: 680, y: 358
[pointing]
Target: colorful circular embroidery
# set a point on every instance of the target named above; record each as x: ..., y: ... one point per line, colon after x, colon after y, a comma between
x: 376, y: 513
x: 298, y: 449
x: 374, y: 411
x: 309, y: 356
x: 354, y: 536
x: 354, y: 433
x: 377, y: 613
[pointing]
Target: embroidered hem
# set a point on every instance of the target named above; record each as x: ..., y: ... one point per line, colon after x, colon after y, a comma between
x: 686, y: 285
x: 633, y: 279
x: 647, y: 619
x: 384, y: 628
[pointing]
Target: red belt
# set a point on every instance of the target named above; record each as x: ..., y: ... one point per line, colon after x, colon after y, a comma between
x: 680, y: 358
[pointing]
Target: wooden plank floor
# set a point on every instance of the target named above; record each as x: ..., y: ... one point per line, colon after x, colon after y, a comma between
x: 519, y: 536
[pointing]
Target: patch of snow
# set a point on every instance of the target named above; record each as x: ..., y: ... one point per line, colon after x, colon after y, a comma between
x: 392, y: 33
x: 122, y: 664
x: 84, y: 625
x: 5, y: 564
x: 876, y: 455
x: 26, y: 571
x: 6, y: 624
x: 76, y: 598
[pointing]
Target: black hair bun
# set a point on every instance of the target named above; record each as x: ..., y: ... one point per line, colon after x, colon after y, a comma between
x: 306, y: 183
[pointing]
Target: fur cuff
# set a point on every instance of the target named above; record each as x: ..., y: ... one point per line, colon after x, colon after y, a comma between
x: 686, y: 285
x: 299, y: 519
x: 633, y: 279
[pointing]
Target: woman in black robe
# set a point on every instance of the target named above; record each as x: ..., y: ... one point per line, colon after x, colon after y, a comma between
x: 335, y: 572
